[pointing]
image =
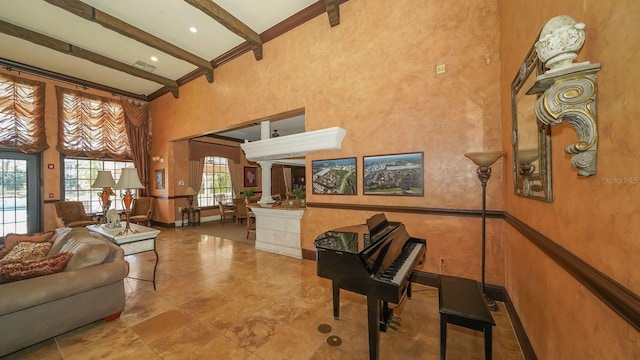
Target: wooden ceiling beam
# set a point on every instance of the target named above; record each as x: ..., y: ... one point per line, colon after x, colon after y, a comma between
x: 231, y: 23
x: 92, y: 14
x: 333, y: 10
x: 66, y: 48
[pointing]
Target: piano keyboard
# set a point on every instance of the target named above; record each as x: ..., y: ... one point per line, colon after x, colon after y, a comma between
x: 403, y: 264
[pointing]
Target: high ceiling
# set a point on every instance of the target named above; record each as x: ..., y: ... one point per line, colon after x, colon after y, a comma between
x: 109, y: 44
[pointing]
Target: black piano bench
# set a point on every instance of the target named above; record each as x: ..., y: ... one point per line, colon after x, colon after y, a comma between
x: 462, y: 303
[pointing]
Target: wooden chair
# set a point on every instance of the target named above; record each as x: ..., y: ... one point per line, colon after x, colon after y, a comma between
x: 141, y: 211
x: 251, y: 219
x: 226, y: 212
x: 251, y: 225
x: 240, y: 208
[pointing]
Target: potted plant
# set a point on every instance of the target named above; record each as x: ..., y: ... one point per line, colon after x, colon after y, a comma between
x: 248, y: 192
x: 298, y: 195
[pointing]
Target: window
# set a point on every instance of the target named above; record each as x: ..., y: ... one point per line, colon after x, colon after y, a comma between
x: 216, y: 182
x: 79, y: 175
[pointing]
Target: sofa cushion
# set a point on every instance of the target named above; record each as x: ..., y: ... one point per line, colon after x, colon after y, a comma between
x: 13, y: 270
x: 25, y: 250
x: 11, y: 240
x: 86, y: 250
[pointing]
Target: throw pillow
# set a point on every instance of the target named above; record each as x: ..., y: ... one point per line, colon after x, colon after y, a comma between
x: 13, y: 270
x: 86, y: 250
x: 25, y: 250
x: 11, y: 240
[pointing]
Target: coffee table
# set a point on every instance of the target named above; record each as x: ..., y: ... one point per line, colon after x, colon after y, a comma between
x: 139, y: 239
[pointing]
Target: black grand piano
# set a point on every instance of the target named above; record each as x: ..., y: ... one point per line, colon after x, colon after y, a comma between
x: 375, y: 259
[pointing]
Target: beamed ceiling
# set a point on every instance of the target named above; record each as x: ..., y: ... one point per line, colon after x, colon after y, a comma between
x: 109, y: 44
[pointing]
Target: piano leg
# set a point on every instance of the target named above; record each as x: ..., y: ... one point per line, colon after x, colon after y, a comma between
x: 373, y: 314
x: 409, y: 289
x: 336, y: 300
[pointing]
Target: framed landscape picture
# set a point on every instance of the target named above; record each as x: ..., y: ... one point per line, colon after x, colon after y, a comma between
x: 336, y: 176
x: 397, y: 174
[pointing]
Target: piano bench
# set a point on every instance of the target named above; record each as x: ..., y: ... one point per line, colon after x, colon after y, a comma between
x: 462, y: 303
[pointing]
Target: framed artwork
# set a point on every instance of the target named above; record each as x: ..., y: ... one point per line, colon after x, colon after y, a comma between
x: 335, y: 176
x: 397, y: 174
x: 250, y: 176
x: 159, y: 178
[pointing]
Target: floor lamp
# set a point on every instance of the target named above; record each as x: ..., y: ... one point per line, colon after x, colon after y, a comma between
x: 484, y: 160
x: 128, y: 180
x: 105, y: 181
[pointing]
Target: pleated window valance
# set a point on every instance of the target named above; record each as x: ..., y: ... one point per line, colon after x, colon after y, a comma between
x: 198, y: 150
x: 22, y: 114
x: 91, y: 126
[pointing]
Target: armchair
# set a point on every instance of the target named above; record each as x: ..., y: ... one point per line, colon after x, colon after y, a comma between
x: 72, y: 214
x: 141, y: 211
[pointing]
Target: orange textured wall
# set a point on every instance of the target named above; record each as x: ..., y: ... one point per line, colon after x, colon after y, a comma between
x: 374, y: 76
x: 595, y: 218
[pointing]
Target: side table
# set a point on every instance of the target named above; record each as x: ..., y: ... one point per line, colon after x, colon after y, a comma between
x: 140, y: 239
x: 193, y: 216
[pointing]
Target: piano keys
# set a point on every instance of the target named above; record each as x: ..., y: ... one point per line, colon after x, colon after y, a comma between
x: 375, y: 259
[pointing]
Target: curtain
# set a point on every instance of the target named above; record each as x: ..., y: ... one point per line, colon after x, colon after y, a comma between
x: 22, y: 114
x: 91, y: 126
x: 196, y: 168
x: 136, y: 117
x: 236, y: 173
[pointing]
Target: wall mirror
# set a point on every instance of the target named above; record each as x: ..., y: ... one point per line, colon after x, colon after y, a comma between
x: 530, y: 137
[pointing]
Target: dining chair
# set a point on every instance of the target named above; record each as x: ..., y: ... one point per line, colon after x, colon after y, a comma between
x: 226, y: 212
x: 240, y: 208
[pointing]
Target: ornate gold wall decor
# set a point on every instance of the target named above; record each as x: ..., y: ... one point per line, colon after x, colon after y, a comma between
x: 568, y: 89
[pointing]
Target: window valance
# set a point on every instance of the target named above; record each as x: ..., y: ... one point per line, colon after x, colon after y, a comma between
x: 91, y: 126
x: 22, y: 114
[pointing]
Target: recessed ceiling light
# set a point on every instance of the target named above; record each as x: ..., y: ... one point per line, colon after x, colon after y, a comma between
x: 153, y: 58
x: 193, y: 29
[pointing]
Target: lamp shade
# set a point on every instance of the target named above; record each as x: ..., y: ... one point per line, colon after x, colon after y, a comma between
x: 129, y: 179
x: 190, y: 191
x: 104, y: 179
x: 485, y: 158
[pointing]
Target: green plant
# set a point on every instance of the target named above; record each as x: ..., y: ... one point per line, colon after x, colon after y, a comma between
x: 248, y: 192
x: 297, y: 193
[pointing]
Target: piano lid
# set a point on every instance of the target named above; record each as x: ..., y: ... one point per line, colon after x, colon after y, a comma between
x: 354, y: 239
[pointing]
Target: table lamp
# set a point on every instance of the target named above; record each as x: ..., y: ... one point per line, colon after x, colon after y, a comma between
x: 105, y: 181
x: 190, y: 192
x: 128, y: 180
x: 484, y: 160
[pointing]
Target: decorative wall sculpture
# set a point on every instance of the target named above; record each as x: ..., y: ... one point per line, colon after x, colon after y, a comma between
x: 568, y: 89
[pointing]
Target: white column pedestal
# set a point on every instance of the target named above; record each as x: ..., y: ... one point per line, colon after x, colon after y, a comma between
x: 278, y: 230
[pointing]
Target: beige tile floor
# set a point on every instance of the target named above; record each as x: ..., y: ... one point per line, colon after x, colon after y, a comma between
x: 220, y: 299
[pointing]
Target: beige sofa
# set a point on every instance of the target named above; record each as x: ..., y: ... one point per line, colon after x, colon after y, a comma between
x: 90, y: 288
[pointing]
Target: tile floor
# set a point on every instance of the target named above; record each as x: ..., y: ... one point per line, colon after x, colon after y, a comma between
x: 220, y: 299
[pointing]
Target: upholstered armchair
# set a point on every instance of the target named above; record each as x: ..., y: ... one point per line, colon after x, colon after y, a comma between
x: 72, y: 214
x: 141, y: 211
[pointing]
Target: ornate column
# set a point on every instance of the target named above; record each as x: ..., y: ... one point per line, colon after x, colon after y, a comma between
x: 266, y: 182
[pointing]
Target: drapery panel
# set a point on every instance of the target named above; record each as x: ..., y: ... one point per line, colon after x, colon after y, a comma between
x: 196, y: 168
x: 91, y: 126
x: 137, y: 124
x: 22, y: 114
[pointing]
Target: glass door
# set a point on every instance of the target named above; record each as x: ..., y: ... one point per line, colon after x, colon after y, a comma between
x: 19, y: 193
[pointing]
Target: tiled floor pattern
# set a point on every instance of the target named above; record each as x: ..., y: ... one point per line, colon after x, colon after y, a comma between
x: 220, y: 299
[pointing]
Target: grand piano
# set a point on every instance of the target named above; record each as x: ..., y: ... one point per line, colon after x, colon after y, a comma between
x: 375, y: 259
